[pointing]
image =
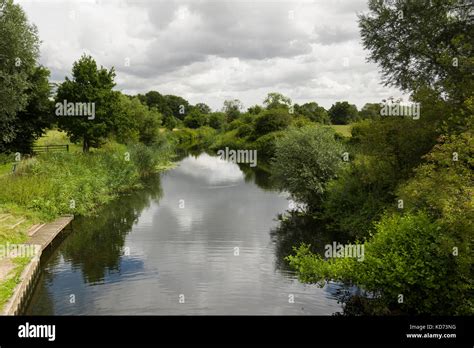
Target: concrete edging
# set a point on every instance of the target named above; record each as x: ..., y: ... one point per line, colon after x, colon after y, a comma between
x: 22, y: 292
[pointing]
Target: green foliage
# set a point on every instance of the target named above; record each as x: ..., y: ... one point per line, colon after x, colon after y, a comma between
x: 170, y: 122
x: 190, y: 139
x: 399, y: 141
x: 19, y: 47
x: 244, y: 130
x: 370, y: 111
x: 363, y: 188
x: 266, y: 144
x: 255, y: 110
x: 232, y: 109
x: 408, y: 255
x: 444, y: 184
x: 30, y: 122
x: 301, y: 121
x: 48, y: 183
x: 415, y: 44
x: 305, y: 160
x: 343, y: 113
x: 136, y: 122
x: 271, y: 121
x: 195, y: 119
x: 382, y: 155
x: 277, y: 101
x: 89, y: 85
x: 178, y: 106
x: 217, y: 120
x: 313, y: 112
x: 203, y: 108
x: 228, y: 139
x: 144, y: 158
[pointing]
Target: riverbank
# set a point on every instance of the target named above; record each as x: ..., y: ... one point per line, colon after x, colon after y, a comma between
x: 28, y: 255
x: 47, y: 186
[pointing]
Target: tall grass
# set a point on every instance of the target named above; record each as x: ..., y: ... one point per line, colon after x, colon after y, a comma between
x: 75, y: 183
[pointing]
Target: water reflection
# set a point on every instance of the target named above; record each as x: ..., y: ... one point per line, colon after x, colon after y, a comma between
x: 177, y: 237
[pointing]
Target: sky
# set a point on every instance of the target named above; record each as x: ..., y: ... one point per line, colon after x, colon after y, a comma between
x: 210, y: 50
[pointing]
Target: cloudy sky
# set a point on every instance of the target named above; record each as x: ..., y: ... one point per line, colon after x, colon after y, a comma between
x: 211, y: 50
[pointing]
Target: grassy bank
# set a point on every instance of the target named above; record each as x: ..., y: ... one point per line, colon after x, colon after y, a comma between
x: 49, y: 185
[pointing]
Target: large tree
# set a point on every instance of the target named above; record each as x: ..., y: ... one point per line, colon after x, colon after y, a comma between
x: 89, y: 84
x: 343, y: 113
x: 421, y: 44
x: 179, y: 106
x: 276, y: 100
x: 232, y: 109
x: 36, y: 116
x: 19, y: 49
x: 313, y: 111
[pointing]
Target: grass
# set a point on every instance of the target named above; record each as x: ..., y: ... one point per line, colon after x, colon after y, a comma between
x: 5, y: 168
x: 56, y: 137
x: 48, y: 185
x: 8, y: 286
x: 343, y: 129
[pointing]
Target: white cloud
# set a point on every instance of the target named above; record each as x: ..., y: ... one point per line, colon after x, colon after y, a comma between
x: 207, y: 51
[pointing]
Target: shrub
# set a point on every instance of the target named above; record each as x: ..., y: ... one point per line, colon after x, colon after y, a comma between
x: 195, y: 119
x: 271, y: 121
x: 217, y: 120
x: 305, y: 160
x: 265, y: 145
x: 244, y: 130
x: 409, y: 255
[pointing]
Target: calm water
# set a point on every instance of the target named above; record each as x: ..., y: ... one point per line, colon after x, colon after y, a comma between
x: 178, y: 237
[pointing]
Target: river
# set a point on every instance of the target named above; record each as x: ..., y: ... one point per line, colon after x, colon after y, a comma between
x: 196, y: 240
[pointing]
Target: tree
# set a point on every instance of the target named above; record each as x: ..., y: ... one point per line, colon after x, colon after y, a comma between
x: 217, y: 120
x: 343, y: 113
x: 421, y: 44
x: 203, y: 108
x: 92, y: 86
x: 409, y: 255
x: 178, y: 106
x: 232, y: 109
x: 136, y: 121
x: 169, y: 121
x: 370, y: 111
x: 271, y: 121
x: 276, y: 101
x: 255, y: 110
x: 19, y: 49
x: 305, y: 160
x: 38, y: 114
x: 313, y: 111
x: 195, y: 119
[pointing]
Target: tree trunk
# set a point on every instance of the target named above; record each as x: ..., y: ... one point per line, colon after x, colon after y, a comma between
x: 85, y: 145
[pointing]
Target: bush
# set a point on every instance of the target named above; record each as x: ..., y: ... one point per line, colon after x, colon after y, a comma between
x: 343, y: 113
x: 228, y: 139
x: 234, y: 124
x: 305, y: 160
x: 76, y: 183
x: 244, y: 130
x: 265, y: 145
x: 195, y: 119
x: 217, y: 120
x: 408, y: 255
x: 360, y: 193
x: 271, y: 121
x: 144, y: 158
